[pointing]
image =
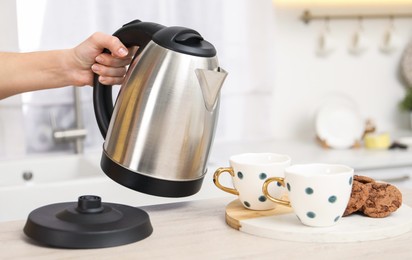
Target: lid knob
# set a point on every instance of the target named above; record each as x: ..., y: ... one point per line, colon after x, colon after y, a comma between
x: 189, y: 39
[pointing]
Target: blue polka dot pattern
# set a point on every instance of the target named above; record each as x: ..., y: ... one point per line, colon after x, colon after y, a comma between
x: 350, y: 180
x: 247, y: 204
x: 288, y: 186
x: 332, y: 199
x: 309, y: 191
x: 311, y: 214
x: 279, y: 184
x: 262, y: 198
x: 262, y: 176
x: 336, y: 219
x: 240, y: 175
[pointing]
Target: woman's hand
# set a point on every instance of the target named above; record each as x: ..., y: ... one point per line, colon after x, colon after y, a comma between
x: 87, y: 58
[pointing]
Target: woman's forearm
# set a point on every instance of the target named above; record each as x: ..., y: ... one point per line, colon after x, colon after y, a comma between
x: 23, y: 72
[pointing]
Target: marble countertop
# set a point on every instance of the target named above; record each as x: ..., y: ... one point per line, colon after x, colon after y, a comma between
x: 197, y: 230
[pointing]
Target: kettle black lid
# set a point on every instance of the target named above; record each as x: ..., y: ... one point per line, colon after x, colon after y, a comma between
x: 87, y: 224
x: 184, y: 40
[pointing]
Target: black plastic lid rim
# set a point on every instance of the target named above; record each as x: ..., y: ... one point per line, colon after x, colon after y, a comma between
x: 176, y: 38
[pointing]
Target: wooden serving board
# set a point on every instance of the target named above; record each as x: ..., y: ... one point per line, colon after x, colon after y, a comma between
x: 281, y: 223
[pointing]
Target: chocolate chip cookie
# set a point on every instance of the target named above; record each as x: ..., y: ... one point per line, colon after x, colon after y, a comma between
x: 363, y: 179
x: 373, y: 199
x: 383, y: 199
x: 358, y: 197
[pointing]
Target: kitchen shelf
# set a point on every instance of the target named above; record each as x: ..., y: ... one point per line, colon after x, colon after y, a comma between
x: 307, y: 16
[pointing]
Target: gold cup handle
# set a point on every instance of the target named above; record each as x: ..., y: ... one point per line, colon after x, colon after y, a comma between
x: 216, y: 176
x: 266, y: 192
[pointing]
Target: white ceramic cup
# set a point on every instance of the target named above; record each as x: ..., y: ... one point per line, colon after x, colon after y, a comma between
x: 325, y: 43
x: 248, y: 172
x: 359, y: 42
x: 390, y: 41
x: 318, y: 193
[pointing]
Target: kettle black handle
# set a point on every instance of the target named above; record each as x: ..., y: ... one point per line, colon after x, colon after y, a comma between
x: 135, y: 33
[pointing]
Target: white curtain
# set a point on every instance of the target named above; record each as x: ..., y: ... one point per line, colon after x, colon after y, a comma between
x: 241, y: 31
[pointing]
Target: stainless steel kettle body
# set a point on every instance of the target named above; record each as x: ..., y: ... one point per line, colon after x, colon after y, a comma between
x: 162, y: 125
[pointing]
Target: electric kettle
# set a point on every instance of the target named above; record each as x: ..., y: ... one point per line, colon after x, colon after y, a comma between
x: 159, y: 133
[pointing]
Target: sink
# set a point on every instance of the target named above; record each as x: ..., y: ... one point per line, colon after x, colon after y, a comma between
x: 29, y: 183
x: 47, y: 170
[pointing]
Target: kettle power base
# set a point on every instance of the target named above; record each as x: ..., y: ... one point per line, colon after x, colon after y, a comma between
x: 147, y: 184
x: 282, y: 224
x: 87, y: 224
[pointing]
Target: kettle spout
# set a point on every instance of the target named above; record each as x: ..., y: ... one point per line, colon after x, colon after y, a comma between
x: 211, y: 82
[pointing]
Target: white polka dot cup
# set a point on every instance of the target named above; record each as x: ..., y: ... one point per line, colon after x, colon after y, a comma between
x: 318, y: 193
x: 248, y: 173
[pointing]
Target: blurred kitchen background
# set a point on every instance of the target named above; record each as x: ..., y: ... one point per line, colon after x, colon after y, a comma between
x: 279, y: 72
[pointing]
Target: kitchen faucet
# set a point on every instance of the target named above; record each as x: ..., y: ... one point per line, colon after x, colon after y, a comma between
x: 76, y: 134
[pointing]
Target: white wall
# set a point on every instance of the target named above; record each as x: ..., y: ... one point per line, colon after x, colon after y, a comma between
x: 304, y: 80
x: 8, y: 26
x: 11, y: 118
x: 241, y: 30
x: 276, y: 81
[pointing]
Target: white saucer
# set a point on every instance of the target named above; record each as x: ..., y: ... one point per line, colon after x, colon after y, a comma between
x: 339, y: 125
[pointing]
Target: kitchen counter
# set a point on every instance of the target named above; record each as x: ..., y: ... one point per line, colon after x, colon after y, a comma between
x: 311, y: 152
x: 81, y: 174
x: 197, y: 230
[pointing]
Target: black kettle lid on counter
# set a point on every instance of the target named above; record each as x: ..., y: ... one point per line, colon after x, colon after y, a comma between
x: 89, y: 223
